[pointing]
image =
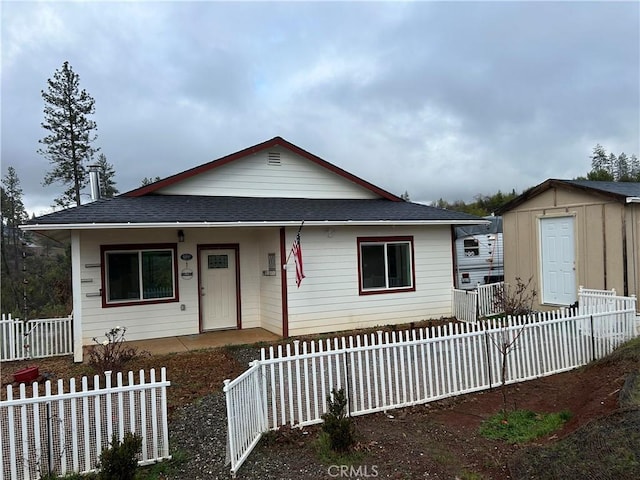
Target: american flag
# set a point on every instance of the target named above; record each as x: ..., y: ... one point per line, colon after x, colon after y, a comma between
x: 296, y: 250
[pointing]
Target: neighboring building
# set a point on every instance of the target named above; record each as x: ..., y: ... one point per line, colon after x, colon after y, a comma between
x: 209, y: 248
x: 569, y: 233
x: 479, y: 254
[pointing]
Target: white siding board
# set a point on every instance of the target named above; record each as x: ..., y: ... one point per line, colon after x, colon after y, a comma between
x: 270, y: 290
x: 166, y: 319
x: 296, y: 177
x: 328, y: 299
x: 141, y: 321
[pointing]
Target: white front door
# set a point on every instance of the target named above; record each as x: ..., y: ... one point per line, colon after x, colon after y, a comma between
x: 558, y: 260
x: 218, y: 289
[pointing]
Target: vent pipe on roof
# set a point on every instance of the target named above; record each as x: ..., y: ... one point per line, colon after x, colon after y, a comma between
x: 94, y: 181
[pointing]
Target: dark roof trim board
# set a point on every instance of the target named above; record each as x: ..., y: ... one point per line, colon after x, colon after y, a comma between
x: 618, y: 191
x: 276, y: 141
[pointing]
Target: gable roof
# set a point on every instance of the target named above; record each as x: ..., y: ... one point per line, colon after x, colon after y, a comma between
x: 205, y: 211
x: 618, y: 191
x: 146, y: 207
x: 274, y: 142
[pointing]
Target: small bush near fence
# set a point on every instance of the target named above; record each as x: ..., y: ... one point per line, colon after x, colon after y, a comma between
x: 288, y: 385
x: 120, y: 460
x: 112, y: 354
x: 337, y: 425
x: 68, y: 431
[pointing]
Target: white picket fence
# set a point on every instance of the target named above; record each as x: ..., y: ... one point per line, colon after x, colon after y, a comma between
x: 35, y: 338
x: 483, y: 301
x: 65, y: 432
x: 590, y: 300
x: 289, y: 385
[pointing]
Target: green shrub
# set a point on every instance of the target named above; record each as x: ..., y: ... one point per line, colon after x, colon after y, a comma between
x: 120, y: 460
x: 337, y: 425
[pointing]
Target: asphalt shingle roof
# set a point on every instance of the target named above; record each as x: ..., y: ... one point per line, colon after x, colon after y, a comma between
x: 184, y: 208
x: 619, y: 191
x: 626, y: 189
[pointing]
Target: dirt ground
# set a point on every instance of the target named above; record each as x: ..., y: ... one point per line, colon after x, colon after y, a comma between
x: 440, y: 440
x: 437, y: 441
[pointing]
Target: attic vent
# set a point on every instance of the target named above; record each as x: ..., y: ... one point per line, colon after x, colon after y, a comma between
x: 274, y: 159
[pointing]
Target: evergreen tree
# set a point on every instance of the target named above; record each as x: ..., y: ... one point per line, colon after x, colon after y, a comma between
x: 635, y: 168
x: 67, y: 146
x: 148, y: 181
x: 623, y: 168
x: 601, y: 165
x: 107, y: 173
x: 12, y: 214
x: 612, y: 168
x: 483, y: 205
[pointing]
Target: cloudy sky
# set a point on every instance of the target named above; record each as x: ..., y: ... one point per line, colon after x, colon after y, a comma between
x: 443, y: 100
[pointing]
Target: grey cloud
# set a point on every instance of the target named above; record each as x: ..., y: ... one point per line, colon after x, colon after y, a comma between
x: 442, y: 99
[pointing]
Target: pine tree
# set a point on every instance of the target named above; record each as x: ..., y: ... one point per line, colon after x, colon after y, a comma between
x: 106, y: 173
x: 148, y: 181
x: 67, y: 146
x: 635, y: 168
x: 12, y: 214
x: 609, y: 167
x: 601, y: 167
x: 623, y: 168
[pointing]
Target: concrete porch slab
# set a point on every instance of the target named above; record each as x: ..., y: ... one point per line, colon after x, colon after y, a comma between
x: 185, y: 343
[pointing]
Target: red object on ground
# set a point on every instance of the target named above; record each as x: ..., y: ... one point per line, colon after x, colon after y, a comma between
x: 28, y: 374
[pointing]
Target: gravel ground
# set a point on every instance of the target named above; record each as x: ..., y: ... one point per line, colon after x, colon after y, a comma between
x: 200, y: 430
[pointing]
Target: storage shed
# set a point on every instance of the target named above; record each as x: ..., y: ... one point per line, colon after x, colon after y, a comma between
x: 567, y: 233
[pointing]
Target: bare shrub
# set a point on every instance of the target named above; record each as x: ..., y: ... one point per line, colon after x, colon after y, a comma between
x: 112, y: 353
x: 516, y: 300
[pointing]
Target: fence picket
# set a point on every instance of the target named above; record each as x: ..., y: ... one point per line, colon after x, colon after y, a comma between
x: 388, y: 370
x: 35, y: 338
x: 66, y: 431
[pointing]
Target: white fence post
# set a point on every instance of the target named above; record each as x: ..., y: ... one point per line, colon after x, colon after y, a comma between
x: 398, y: 369
x: 66, y: 431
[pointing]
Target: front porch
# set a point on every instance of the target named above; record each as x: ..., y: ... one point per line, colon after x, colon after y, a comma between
x: 220, y: 338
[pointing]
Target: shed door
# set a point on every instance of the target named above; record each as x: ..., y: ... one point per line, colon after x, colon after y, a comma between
x: 218, y: 291
x: 558, y: 262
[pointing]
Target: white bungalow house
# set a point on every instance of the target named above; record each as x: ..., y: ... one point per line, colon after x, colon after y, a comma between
x: 209, y: 248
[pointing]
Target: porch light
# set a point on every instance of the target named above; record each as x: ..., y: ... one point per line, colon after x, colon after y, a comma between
x: 180, y: 235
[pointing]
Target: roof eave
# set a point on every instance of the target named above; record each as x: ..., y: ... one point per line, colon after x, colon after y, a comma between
x: 289, y: 223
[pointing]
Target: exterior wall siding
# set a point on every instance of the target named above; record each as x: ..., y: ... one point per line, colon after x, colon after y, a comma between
x: 295, y: 177
x: 632, y: 225
x: 599, y: 227
x: 167, y: 319
x: 328, y: 298
x: 141, y: 321
x: 270, y: 293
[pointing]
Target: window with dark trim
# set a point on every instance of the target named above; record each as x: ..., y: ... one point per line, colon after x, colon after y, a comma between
x: 139, y: 274
x: 385, y: 264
